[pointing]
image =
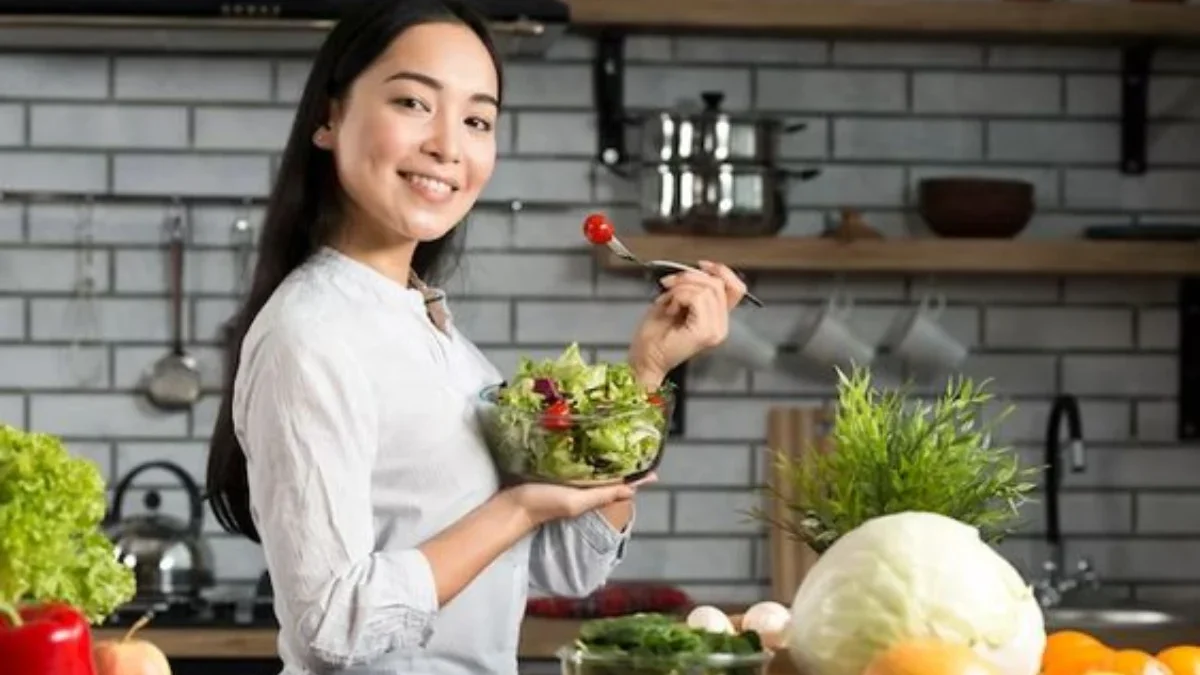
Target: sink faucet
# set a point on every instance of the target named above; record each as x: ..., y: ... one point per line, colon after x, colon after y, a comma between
x: 1055, y: 584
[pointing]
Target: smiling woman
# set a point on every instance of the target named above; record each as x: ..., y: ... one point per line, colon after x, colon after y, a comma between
x: 345, y: 442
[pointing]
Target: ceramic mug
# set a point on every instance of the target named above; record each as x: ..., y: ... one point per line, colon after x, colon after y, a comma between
x: 746, y: 347
x: 830, y: 341
x: 918, y: 338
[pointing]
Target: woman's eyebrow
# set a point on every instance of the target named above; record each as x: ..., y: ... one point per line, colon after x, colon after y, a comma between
x: 434, y: 83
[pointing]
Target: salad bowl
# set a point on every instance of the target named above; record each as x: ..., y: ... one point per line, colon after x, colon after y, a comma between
x: 568, y: 422
x: 659, y: 644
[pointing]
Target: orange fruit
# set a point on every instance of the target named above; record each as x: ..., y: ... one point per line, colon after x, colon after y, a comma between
x: 1070, y: 652
x: 926, y: 656
x: 1137, y: 662
x: 1084, y: 659
x: 1181, y: 659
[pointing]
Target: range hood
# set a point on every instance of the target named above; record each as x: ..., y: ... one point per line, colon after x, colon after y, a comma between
x: 520, y: 26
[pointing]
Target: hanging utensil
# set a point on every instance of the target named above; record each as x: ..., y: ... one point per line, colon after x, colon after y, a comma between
x: 243, y: 251
x: 599, y: 231
x: 242, y: 236
x: 82, y: 315
x: 175, y: 382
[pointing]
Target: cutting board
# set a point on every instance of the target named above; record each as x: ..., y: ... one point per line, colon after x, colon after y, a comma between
x: 793, y: 431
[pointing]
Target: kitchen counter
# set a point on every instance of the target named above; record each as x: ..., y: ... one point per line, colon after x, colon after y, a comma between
x: 540, y: 638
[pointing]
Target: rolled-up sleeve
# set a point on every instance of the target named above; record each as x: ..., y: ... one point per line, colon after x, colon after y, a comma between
x: 574, y: 557
x: 306, y: 416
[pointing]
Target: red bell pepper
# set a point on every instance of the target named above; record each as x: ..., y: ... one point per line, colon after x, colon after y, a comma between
x: 46, y: 638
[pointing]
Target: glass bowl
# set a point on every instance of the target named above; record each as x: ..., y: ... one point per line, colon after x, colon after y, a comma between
x: 576, y: 662
x: 606, y: 448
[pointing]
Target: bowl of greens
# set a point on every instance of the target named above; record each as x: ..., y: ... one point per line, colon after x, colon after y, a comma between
x: 566, y: 421
x: 658, y: 644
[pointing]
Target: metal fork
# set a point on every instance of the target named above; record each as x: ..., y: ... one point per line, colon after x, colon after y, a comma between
x: 624, y: 253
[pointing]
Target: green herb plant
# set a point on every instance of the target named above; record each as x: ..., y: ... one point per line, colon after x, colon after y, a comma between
x: 657, y: 644
x: 51, y: 544
x: 895, y: 452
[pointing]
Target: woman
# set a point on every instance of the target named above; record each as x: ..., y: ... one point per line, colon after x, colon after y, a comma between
x: 345, y: 442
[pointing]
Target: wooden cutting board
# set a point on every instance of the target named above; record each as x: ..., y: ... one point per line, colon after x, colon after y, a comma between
x: 792, y: 431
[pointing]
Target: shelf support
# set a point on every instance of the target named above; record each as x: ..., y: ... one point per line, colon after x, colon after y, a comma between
x: 1135, y: 87
x: 1189, y: 359
x: 608, y: 81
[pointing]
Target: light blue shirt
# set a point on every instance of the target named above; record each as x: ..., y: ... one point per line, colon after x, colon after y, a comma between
x: 357, y: 417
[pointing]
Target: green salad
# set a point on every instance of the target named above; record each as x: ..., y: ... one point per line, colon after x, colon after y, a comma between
x: 564, y: 419
x: 658, y: 644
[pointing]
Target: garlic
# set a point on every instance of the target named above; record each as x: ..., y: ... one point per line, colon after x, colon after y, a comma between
x: 766, y: 618
x: 711, y: 619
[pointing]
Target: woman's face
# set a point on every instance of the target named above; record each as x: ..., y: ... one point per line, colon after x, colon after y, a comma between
x: 414, y: 139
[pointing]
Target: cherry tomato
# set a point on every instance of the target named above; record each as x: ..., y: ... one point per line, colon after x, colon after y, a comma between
x: 598, y: 229
x: 657, y: 400
x: 557, y: 417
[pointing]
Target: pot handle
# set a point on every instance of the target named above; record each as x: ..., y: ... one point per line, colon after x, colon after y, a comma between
x: 196, y: 518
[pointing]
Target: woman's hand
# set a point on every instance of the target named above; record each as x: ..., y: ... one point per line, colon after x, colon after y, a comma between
x: 690, y: 316
x: 543, y: 502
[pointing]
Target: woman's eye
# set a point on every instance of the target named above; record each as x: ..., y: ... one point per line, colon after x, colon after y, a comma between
x: 409, y: 102
x: 479, y: 123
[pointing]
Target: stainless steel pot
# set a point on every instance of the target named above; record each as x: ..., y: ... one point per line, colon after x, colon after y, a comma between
x: 170, y: 559
x: 720, y: 199
x: 710, y: 135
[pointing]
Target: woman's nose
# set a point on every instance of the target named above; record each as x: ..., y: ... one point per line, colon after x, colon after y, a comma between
x: 444, y: 143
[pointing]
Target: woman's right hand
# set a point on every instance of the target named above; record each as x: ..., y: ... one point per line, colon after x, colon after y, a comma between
x: 544, y: 502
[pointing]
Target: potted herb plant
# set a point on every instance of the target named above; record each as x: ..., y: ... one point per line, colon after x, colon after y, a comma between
x: 894, y: 452
x: 58, y: 571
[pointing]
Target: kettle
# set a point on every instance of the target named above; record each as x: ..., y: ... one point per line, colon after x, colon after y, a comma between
x: 170, y: 558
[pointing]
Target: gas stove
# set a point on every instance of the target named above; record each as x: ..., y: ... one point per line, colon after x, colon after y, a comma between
x: 248, y: 612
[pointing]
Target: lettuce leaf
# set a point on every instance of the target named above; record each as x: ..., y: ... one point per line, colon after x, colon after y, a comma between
x: 51, y: 545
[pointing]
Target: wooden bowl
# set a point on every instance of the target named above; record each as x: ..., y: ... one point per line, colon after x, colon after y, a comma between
x: 976, y: 207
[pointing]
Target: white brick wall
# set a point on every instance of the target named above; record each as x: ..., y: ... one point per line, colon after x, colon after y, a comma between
x: 881, y: 116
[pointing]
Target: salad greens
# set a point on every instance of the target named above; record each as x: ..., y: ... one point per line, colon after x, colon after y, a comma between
x: 657, y: 644
x: 564, y: 419
x: 51, y: 544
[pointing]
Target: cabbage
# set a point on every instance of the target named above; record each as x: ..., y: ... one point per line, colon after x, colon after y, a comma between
x: 913, y: 575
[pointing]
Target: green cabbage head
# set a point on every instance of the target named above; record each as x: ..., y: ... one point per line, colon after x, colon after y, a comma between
x: 910, y: 575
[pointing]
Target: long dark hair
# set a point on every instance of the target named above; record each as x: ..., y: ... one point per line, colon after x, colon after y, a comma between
x: 303, y: 209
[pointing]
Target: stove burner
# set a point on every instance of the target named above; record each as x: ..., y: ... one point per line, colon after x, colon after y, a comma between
x: 198, y: 613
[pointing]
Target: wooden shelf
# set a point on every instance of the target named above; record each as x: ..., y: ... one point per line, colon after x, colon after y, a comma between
x: 925, y: 18
x: 800, y: 255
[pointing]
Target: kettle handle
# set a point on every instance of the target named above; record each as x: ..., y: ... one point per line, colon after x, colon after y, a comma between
x: 196, y: 519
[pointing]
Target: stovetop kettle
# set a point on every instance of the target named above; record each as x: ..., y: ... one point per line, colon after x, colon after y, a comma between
x: 170, y: 558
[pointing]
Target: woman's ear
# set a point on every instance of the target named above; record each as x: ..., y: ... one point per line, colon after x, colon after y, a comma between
x: 324, y: 135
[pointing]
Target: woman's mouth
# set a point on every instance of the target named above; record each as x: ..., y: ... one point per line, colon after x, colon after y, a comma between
x: 429, y: 187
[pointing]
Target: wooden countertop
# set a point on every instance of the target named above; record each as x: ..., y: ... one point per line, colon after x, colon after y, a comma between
x: 540, y: 638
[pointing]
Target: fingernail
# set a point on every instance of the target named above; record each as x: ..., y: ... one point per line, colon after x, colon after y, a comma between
x: 670, y: 279
x: 707, y: 263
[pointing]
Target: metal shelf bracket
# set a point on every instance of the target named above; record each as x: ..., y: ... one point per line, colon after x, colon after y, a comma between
x: 608, y: 80
x: 1135, y: 88
x: 1189, y: 359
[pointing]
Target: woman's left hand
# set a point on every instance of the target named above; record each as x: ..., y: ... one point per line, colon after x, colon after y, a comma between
x: 690, y: 316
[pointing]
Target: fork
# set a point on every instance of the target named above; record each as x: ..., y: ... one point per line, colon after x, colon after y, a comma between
x: 615, y: 245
